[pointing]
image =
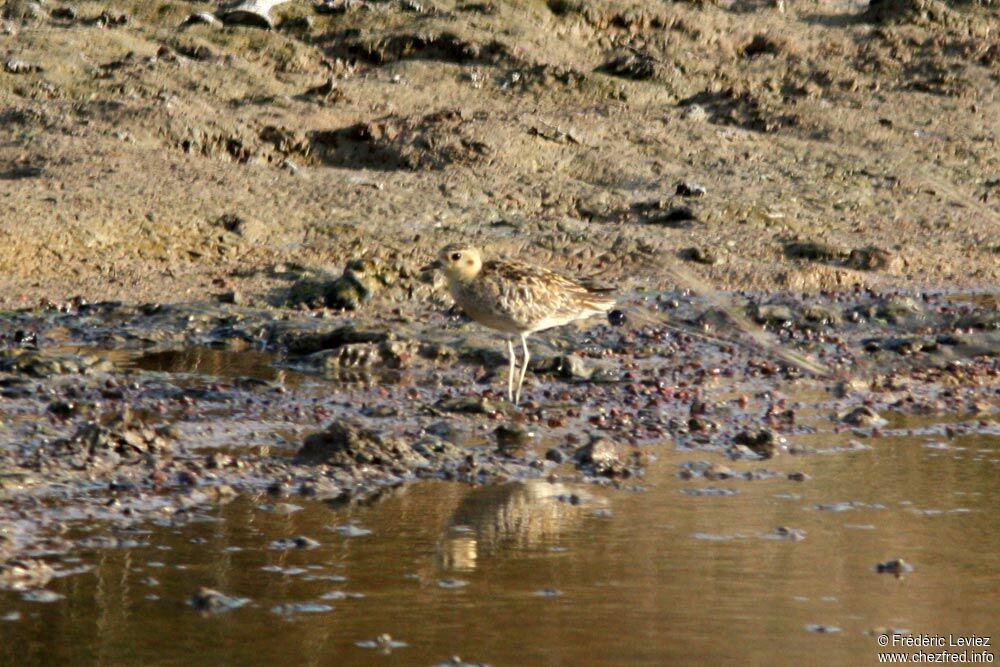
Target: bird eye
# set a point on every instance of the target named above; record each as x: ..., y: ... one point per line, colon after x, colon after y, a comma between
x: 455, y: 256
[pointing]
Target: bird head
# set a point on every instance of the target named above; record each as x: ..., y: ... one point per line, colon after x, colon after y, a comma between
x: 458, y: 261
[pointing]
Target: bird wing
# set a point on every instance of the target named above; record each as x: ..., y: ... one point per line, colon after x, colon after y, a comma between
x: 539, y: 294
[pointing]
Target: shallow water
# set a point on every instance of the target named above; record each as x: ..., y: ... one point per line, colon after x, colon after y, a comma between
x: 543, y: 573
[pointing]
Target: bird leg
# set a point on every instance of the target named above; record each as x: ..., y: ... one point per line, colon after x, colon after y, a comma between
x: 510, y: 371
x: 524, y: 368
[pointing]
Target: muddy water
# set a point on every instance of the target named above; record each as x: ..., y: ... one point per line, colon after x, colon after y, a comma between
x: 550, y: 574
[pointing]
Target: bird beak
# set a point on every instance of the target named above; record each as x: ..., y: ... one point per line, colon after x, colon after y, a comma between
x: 433, y: 266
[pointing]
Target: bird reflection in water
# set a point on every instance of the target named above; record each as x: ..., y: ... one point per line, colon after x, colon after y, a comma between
x: 521, y: 516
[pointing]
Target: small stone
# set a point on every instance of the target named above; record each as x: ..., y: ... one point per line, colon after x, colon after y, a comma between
x: 351, y: 530
x: 514, y: 435
x: 347, y: 443
x: 41, y: 596
x: 897, y: 567
x: 290, y: 608
x: 774, y: 314
x: 793, y: 534
x: 695, y: 113
x: 822, y: 629
x: 383, y: 643
x: 871, y: 258
x: 718, y: 472
x: 699, y: 255
x: 763, y: 443
x: 297, y: 542
x: 690, y: 190
x: 206, y: 18
x: 210, y: 600
x: 556, y: 455
x: 863, y: 416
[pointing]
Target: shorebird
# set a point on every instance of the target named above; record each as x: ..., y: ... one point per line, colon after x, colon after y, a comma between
x: 516, y: 298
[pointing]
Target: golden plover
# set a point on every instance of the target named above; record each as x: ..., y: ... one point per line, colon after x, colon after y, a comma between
x: 516, y: 299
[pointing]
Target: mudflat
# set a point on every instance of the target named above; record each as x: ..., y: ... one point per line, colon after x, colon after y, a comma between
x: 808, y: 147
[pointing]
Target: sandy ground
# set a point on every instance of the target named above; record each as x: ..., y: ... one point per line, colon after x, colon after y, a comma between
x: 141, y: 160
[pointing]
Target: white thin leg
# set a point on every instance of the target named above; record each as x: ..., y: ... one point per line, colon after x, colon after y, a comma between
x: 524, y: 368
x: 510, y: 371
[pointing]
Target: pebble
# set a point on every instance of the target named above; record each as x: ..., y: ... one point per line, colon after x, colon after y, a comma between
x: 297, y: 542
x: 41, y: 596
x: 207, y: 599
x: 351, y: 530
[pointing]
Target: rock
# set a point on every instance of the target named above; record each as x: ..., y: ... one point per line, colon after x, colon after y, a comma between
x: 850, y: 386
x: 906, y: 345
x: 360, y: 282
x: 206, y: 18
x: 897, y: 567
x: 299, y: 23
x: 694, y: 113
x: 900, y: 310
x: 514, y: 434
x: 871, y: 258
x: 253, y: 13
x: 43, y: 364
x: 719, y: 472
x: 763, y: 443
x: 351, y: 530
x: 775, y: 314
x: 604, y: 458
x: 210, y: 600
x: 889, y: 11
x: 242, y: 228
x: 555, y: 455
x: 43, y: 596
x: 123, y: 439
x: 297, y: 542
x: 384, y: 643
x: 438, y: 449
x: 348, y: 443
x: 685, y: 189
x: 321, y: 490
x: 598, y: 451
x: 23, y: 10
x: 822, y: 314
x: 863, y: 416
x: 299, y: 342
x: 699, y: 255
x: 791, y: 534
x: 634, y: 65
x: 817, y: 251
x: 473, y: 405
x: 567, y: 366
x: 290, y: 608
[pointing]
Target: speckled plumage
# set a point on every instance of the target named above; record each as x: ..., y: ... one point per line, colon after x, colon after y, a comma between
x: 517, y: 298
x: 514, y: 297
